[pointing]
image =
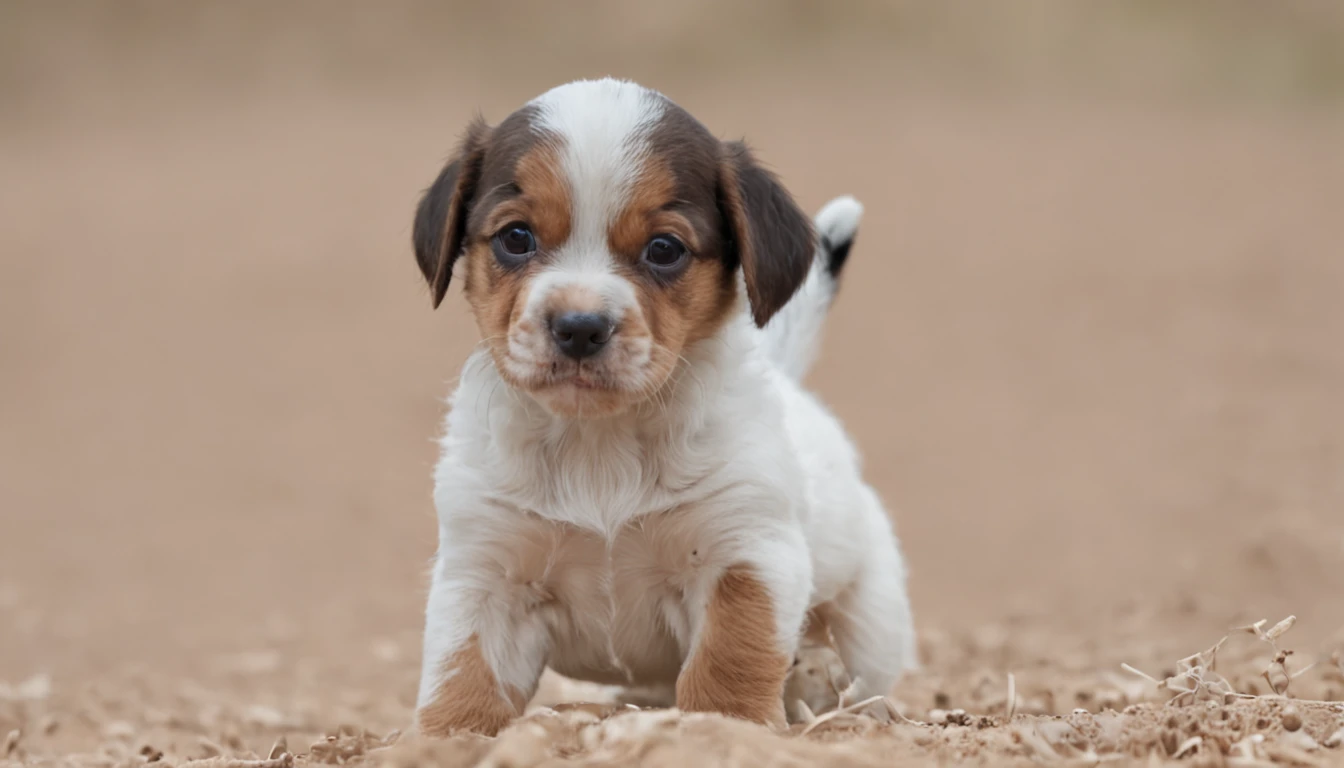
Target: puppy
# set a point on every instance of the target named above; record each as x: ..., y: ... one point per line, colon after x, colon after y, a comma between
x: 634, y: 488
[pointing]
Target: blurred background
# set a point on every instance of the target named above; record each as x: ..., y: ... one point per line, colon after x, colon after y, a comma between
x: 1091, y: 341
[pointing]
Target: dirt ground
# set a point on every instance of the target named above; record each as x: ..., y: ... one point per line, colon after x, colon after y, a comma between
x: 1091, y: 343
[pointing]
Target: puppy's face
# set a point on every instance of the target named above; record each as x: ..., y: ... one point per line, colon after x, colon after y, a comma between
x: 600, y: 229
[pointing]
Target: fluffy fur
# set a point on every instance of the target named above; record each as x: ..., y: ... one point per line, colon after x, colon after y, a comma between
x: 675, y: 509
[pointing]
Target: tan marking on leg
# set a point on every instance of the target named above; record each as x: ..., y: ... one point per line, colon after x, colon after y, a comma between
x: 737, y: 669
x: 470, y: 699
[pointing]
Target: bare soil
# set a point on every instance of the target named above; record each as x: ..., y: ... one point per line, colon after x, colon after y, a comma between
x: 1091, y: 344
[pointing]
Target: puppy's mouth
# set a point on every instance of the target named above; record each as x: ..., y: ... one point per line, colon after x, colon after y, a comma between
x: 575, y: 390
x: 602, y: 384
x: 565, y: 374
x: 576, y: 375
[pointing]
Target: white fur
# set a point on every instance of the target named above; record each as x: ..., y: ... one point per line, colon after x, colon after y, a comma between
x: 594, y: 545
x: 838, y: 220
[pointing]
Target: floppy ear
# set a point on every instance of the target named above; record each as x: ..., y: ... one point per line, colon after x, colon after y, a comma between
x: 768, y: 235
x: 441, y: 216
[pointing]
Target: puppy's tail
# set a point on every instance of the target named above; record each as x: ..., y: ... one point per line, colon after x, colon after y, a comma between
x: 793, y: 335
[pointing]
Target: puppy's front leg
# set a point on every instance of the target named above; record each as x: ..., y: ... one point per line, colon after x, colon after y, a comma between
x: 483, y: 656
x: 746, y: 630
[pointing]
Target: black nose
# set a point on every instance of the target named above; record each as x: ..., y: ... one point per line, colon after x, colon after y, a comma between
x: 580, y: 334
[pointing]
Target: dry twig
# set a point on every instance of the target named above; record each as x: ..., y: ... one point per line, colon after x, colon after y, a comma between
x: 1197, y: 677
x: 284, y: 761
x: 856, y: 706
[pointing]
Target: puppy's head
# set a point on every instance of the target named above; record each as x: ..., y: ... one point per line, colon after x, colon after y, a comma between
x: 601, y: 228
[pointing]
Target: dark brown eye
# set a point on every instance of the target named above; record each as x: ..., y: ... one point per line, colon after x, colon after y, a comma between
x: 514, y: 244
x: 664, y: 252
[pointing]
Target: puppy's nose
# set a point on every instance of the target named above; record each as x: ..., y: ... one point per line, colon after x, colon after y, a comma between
x: 580, y: 334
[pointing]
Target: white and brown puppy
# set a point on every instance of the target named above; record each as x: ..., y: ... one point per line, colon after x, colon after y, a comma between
x: 634, y: 488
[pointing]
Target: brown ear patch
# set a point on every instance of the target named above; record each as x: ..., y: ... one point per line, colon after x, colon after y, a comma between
x: 737, y: 669
x: 771, y: 237
x: 470, y: 698
x: 441, y: 216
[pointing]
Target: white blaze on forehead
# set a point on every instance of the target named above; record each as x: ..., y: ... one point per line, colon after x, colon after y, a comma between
x: 603, y: 127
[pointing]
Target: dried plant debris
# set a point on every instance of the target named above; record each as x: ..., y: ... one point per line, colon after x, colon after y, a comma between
x: 1197, y: 677
x: 1245, y: 700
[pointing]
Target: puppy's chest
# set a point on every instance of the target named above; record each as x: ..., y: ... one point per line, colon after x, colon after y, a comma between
x: 615, y: 607
x: 602, y: 481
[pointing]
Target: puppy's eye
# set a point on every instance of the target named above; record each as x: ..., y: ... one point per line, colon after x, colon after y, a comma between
x: 664, y: 252
x: 514, y: 244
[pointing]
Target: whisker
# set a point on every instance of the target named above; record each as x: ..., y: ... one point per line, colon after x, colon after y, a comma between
x: 689, y: 369
x: 489, y: 411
